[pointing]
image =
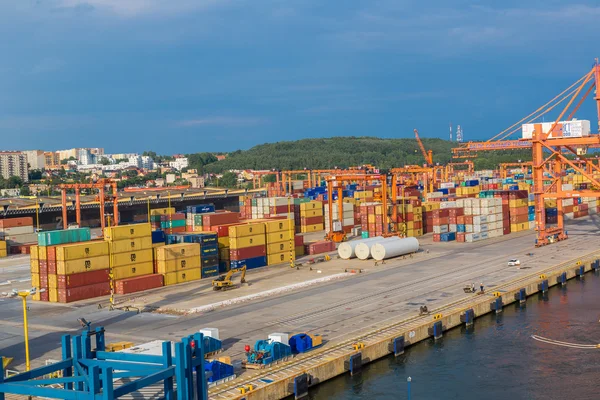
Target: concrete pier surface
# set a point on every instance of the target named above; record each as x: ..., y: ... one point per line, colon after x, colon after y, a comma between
x: 345, y: 307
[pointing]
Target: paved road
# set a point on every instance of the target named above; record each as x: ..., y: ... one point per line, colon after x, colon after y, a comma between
x: 336, y: 309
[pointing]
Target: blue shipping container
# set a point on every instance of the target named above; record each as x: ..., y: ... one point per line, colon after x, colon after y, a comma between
x: 531, y: 217
x: 201, y: 209
x: 159, y: 237
x: 448, y: 237
x: 460, y: 228
x: 531, y: 209
x: 223, y: 266
x: 255, y: 262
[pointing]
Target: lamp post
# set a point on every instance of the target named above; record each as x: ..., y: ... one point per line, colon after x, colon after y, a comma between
x: 23, y: 294
x: 39, y: 205
x: 408, y: 381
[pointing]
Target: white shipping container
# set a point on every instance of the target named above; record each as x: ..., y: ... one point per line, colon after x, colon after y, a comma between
x: 480, y: 228
x: 468, y: 228
x: 210, y: 332
x: 567, y: 187
x: 447, y: 185
x: 567, y: 129
x: 531, y: 224
x: 451, y: 227
x: 479, y: 219
x: 447, y: 204
x: 17, y: 230
x: 440, y: 229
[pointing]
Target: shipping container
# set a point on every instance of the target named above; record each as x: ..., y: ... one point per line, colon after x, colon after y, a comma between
x: 238, y: 231
x: 209, y: 261
x: 82, y: 265
x: 53, y: 238
x: 83, y: 292
x: 123, y: 232
x: 273, y: 248
x: 163, y: 267
x: 173, y: 278
x: 14, y: 222
x: 138, y: 284
x: 247, y: 252
x: 278, y: 258
x: 129, y: 271
x: 83, y: 279
x: 279, y: 225
x: 176, y: 251
x: 81, y: 250
x: 250, y: 263
x: 246, y: 241
x: 131, y: 245
x: 134, y: 257
x: 210, y: 271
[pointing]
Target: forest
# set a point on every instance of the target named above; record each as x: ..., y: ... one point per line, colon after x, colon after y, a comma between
x: 345, y: 152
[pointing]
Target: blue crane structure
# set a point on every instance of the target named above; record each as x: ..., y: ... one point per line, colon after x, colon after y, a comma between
x: 95, y: 374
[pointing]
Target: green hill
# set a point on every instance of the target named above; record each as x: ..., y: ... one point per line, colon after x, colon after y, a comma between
x: 344, y: 152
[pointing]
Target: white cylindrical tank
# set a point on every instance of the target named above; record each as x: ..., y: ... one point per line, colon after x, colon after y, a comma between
x: 346, y: 250
x: 393, y: 247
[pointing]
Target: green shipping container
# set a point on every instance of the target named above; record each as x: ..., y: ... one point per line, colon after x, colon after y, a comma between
x: 364, y: 235
x: 302, y: 200
x: 173, y: 224
x: 198, y: 219
x: 155, y: 218
x: 54, y: 238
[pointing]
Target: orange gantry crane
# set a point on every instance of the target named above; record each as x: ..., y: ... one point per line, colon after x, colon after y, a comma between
x: 549, y: 147
x: 427, y: 155
x: 336, y: 182
x: 525, y: 166
x: 101, y: 185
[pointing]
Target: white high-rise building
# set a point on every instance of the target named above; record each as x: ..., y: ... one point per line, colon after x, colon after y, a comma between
x: 179, y: 163
x: 147, y: 162
x: 85, y: 157
x: 35, y: 159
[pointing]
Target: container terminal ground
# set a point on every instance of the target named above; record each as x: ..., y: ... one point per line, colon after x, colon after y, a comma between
x: 340, y: 310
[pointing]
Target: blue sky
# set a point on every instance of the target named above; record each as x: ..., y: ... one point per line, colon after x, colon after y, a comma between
x: 210, y: 75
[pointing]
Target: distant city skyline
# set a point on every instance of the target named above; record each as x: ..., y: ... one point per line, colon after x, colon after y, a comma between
x: 193, y: 76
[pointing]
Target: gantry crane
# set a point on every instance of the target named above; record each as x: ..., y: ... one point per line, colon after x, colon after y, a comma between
x: 99, y: 184
x: 336, y: 182
x: 525, y: 166
x: 548, y: 153
x: 427, y: 155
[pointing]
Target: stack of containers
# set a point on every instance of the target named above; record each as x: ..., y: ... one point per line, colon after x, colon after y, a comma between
x: 260, y: 208
x: 208, y: 253
x: 310, y: 217
x: 178, y: 263
x: 280, y: 244
x: 131, y: 256
x: 157, y: 214
x: 78, y: 271
x: 245, y: 207
x: 518, y: 208
x: 410, y: 217
x: 193, y: 216
x: 281, y: 207
x: 299, y: 245
x: 210, y: 220
x: 17, y: 231
x: 173, y: 223
x: 3, y: 249
x: 441, y: 225
x: 482, y: 219
x: 469, y: 188
x: 531, y: 210
x: 347, y: 220
x: 428, y: 209
x: 371, y: 215
x: 247, y: 245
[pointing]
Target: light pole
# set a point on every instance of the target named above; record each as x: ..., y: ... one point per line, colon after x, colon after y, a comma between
x: 23, y: 294
x: 38, y: 209
x: 408, y: 380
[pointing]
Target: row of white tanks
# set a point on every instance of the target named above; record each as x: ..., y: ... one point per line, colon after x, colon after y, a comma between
x: 378, y: 248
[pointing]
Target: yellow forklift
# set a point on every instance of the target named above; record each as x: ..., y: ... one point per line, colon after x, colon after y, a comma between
x: 224, y: 282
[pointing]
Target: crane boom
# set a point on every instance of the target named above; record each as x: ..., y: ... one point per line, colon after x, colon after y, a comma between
x: 427, y: 155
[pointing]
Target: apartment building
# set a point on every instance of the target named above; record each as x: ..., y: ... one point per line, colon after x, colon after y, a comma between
x: 13, y: 163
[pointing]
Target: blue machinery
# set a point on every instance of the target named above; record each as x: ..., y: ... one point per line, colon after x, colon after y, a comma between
x: 94, y: 373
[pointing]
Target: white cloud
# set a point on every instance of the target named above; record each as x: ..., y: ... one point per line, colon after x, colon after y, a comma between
x: 131, y: 8
x: 224, y: 121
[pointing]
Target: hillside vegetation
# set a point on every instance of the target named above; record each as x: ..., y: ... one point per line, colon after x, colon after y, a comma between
x: 344, y: 152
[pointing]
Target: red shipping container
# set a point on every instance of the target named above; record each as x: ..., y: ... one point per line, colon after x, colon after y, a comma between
x: 44, y: 280
x: 364, y: 226
x: 51, y: 253
x: 455, y: 212
x: 43, y: 267
x: 452, y: 220
x: 468, y: 220
x: 83, y: 292
x: 311, y: 220
x: 221, y: 218
x: 83, y: 279
x: 418, y: 225
x: 440, y: 221
x: 378, y: 219
x: 138, y: 284
x: 14, y: 222
x: 52, y: 267
x: 247, y: 252
x: 518, y: 219
x: 298, y: 240
x: 281, y: 209
x: 460, y: 237
x: 319, y: 247
x: 45, y: 296
x: 437, y: 237
x: 223, y: 230
x: 460, y: 220
x: 506, y: 230
x: 440, y: 213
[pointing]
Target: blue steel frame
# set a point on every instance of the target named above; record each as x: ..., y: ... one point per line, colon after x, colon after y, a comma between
x: 88, y: 374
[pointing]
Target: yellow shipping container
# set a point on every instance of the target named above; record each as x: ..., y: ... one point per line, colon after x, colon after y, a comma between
x: 130, y: 271
x: 3, y: 253
x: 278, y: 237
x: 279, y: 225
x: 299, y: 251
x: 575, y: 208
x: 82, y: 265
x: 128, y: 245
x: 550, y: 203
x: 33, y: 250
x: 43, y: 252
x: 431, y: 206
x: 177, y: 251
x: 81, y: 250
x: 134, y: 257
x: 311, y: 205
x: 127, y: 232
x: 173, y: 278
x: 371, y: 218
x: 52, y: 281
x: 246, y: 230
x: 519, y: 227
x: 247, y: 241
x: 311, y: 228
x: 363, y: 194
x: 279, y: 258
x: 35, y: 279
x: 273, y: 248
x: 312, y: 213
x: 34, y: 266
x: 3, y: 245
x: 418, y: 210
x: 53, y: 295
x: 223, y: 242
x: 163, y: 267
x: 224, y: 253
x: 157, y: 245
x: 517, y: 203
x: 37, y: 296
x: 162, y: 211
x: 379, y: 209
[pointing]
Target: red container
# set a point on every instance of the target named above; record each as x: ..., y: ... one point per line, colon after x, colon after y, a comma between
x: 223, y: 230
x: 455, y: 212
x: 440, y: 221
x: 319, y: 247
x: 468, y: 220
x: 311, y: 220
x: 247, y: 252
x: 418, y: 225
x: 172, y: 217
x: 460, y: 220
x: 519, y: 219
x: 298, y: 240
x: 14, y: 222
x: 43, y: 267
x: 138, y: 284
x: 51, y: 253
x: 506, y: 230
x: 378, y: 219
x: 460, y: 237
x: 280, y: 209
x: 437, y: 237
x: 52, y: 267
x: 453, y: 220
x: 44, y: 280
x: 83, y: 279
x: 440, y: 213
x: 45, y: 296
x: 222, y: 218
x: 83, y: 292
